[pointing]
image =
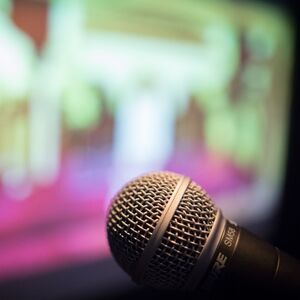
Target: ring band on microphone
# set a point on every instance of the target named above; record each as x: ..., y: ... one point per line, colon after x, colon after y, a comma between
x: 207, y: 253
x: 161, y: 228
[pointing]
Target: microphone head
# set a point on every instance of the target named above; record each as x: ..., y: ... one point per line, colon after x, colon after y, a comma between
x: 157, y: 227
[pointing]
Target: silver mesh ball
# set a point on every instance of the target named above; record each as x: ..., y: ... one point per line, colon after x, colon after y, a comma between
x: 132, y: 218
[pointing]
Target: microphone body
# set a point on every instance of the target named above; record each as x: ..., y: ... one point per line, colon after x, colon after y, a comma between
x: 165, y: 232
x: 244, y: 262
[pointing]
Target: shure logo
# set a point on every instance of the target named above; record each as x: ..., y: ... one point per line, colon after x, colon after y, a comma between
x: 219, y: 264
x: 217, y: 267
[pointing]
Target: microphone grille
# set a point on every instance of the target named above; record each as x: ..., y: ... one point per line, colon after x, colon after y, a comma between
x: 132, y: 218
x: 134, y: 213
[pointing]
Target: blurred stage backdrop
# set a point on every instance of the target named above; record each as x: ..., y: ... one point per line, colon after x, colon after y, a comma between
x: 93, y: 93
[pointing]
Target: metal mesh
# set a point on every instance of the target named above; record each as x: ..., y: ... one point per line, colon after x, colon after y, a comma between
x: 134, y: 214
x: 183, y: 241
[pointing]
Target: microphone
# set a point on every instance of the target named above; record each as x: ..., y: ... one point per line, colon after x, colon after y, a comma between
x: 166, y: 233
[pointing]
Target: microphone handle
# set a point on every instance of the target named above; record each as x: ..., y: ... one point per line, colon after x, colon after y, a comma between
x: 288, y: 276
x: 251, y: 265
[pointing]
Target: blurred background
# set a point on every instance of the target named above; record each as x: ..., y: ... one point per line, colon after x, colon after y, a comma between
x: 93, y: 93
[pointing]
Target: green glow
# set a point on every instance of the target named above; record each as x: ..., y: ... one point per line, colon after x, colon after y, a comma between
x: 221, y: 132
x: 257, y: 77
x: 236, y: 132
x: 261, y: 42
x: 212, y: 100
x: 5, y: 6
x: 20, y: 142
x: 188, y: 47
x: 250, y: 134
x: 82, y: 106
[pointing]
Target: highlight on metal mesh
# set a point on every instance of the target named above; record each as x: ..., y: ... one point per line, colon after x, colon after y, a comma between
x: 183, y: 241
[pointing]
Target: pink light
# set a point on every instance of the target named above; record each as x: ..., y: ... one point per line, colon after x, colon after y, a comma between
x: 40, y: 251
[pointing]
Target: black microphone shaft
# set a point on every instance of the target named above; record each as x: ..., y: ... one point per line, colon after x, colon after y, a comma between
x: 244, y: 262
x: 288, y: 275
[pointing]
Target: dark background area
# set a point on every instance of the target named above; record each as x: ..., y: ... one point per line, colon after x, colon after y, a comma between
x: 286, y: 236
